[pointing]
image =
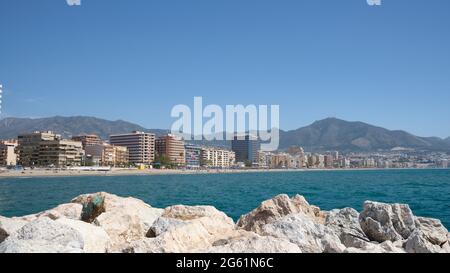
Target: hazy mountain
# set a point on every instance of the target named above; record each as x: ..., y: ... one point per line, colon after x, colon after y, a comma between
x: 323, y: 135
x: 336, y: 134
x: 68, y: 126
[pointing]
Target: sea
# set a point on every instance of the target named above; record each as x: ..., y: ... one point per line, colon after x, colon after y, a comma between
x: 426, y: 191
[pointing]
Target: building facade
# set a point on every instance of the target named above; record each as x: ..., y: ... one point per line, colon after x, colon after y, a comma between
x: 8, y: 156
x: 193, y: 156
x: 217, y: 158
x: 140, y: 145
x: 245, y: 148
x: 60, y: 153
x: 87, y: 140
x: 107, y: 155
x: 29, y: 147
x: 171, y: 147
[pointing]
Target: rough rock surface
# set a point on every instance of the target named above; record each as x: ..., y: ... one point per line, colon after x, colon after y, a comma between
x: 309, y: 236
x: 43, y: 236
x: 345, y: 224
x: 9, y: 226
x: 95, y: 239
x: 253, y: 243
x: 276, y: 208
x: 430, y: 236
x: 215, y: 222
x: 386, y: 222
x: 124, y: 219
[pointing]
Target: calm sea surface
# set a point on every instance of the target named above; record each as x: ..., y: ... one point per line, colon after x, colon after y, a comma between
x: 426, y: 191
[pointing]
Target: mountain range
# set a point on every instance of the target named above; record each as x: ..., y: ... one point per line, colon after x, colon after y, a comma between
x: 324, y: 135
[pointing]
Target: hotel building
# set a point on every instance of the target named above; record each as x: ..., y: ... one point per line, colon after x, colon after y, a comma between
x: 217, y: 158
x: 29, y: 147
x: 140, y: 145
x: 87, y: 140
x: 60, y: 153
x: 193, y: 156
x: 172, y: 147
x: 8, y: 156
x: 245, y: 148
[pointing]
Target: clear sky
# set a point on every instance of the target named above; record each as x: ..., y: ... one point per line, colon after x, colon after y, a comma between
x: 134, y: 60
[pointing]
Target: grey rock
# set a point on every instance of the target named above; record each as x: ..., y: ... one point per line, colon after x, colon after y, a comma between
x: 276, y: 208
x: 345, y: 223
x: 385, y: 222
x: 309, y: 236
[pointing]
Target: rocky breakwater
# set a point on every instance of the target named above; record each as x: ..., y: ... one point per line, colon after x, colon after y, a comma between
x: 102, y: 222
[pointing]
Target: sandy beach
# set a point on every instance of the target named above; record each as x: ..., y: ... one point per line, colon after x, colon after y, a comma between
x: 131, y: 172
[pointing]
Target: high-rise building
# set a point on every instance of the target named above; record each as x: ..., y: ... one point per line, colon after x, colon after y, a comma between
x: 193, y: 156
x: 246, y: 148
x: 87, y: 140
x: 8, y: 156
x: 328, y: 161
x: 29, y: 146
x: 171, y: 147
x: 217, y: 158
x: 140, y: 145
x: 60, y: 153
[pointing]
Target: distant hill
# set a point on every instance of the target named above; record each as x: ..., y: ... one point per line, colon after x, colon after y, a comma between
x: 336, y: 134
x: 68, y: 126
x: 324, y: 135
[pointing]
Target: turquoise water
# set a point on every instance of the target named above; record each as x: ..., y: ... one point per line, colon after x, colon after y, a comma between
x: 426, y: 191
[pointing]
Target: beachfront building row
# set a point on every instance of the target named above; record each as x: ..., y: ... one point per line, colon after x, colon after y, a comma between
x: 48, y: 149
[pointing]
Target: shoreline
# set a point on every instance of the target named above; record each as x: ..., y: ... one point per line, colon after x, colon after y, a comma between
x: 134, y: 172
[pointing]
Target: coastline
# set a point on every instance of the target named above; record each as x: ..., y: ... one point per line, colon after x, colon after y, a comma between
x: 149, y: 172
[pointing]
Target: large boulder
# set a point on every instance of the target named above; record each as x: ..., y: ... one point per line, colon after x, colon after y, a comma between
x: 124, y: 219
x: 183, y: 237
x: 309, y: 236
x: 95, y: 239
x: 253, y: 243
x: 430, y: 236
x: 9, y: 226
x: 276, y: 208
x: 345, y: 223
x: 386, y: 222
x: 214, y: 221
x: 43, y: 236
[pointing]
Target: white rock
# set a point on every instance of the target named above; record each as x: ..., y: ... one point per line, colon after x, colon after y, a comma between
x: 253, y: 244
x: 43, y: 236
x: 9, y: 226
x: 214, y: 221
x: 95, y: 239
x: 124, y: 219
x: 385, y: 247
x: 277, y: 208
x: 183, y: 238
x: 386, y: 222
x: 70, y: 211
x: 309, y: 236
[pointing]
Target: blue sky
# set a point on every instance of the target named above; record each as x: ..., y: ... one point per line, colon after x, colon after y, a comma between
x: 135, y: 60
